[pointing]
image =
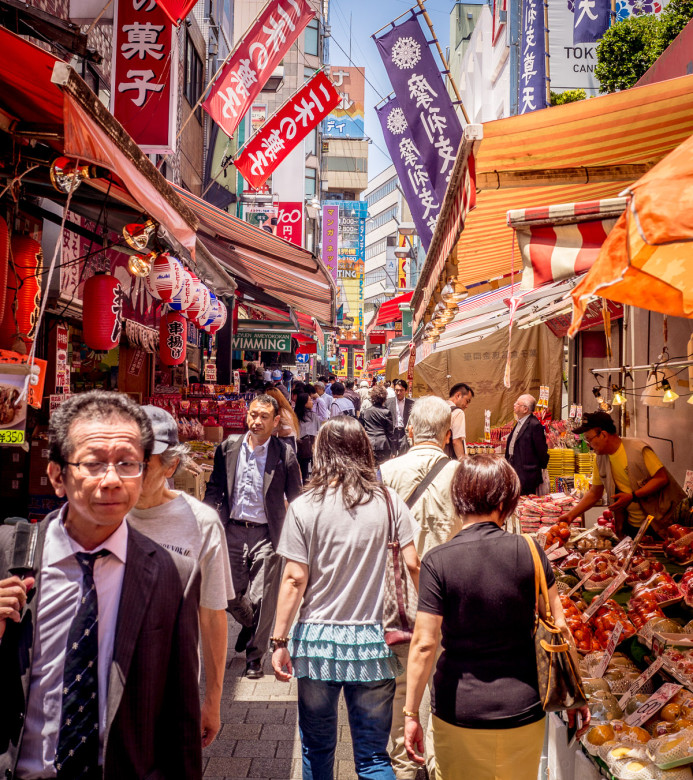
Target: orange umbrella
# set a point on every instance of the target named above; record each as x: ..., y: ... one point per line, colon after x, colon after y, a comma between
x: 647, y: 259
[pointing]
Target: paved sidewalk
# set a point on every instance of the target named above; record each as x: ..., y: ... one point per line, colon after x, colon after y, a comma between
x: 259, y: 733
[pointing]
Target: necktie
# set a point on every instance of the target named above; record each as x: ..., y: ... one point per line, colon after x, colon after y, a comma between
x: 77, y: 754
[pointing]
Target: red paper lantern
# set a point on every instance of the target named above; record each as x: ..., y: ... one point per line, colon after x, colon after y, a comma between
x: 4, y: 262
x: 28, y: 262
x: 166, y: 278
x: 102, y: 312
x: 8, y: 324
x: 172, y: 339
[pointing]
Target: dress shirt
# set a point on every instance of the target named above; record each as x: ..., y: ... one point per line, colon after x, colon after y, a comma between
x: 321, y: 409
x: 515, y: 433
x: 248, y: 502
x: 399, y: 422
x: 58, y: 599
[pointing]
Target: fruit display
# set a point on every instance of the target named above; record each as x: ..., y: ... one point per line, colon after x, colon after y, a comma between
x: 599, y: 538
x: 679, y: 544
x: 642, y: 568
x: 605, y: 619
x: 661, y: 586
x: 559, y: 532
x: 643, y: 608
x: 570, y: 561
x: 599, y: 567
x: 672, y: 750
x: 686, y: 587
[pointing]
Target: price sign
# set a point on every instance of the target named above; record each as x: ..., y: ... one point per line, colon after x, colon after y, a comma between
x: 541, y: 540
x: 12, y: 437
x: 555, y: 555
x: 604, y: 596
x: 611, y: 646
x: 211, y: 372
x: 624, y: 544
x: 552, y: 549
x: 579, y: 585
x: 654, y: 704
x: 636, y: 685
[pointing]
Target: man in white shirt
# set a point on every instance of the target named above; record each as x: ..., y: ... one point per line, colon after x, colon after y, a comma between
x: 461, y: 395
x: 400, y: 407
x: 98, y: 661
x: 188, y: 527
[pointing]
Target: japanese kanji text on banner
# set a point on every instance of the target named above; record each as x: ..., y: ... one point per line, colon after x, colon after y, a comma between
x: 259, y: 52
x: 532, y: 57
x: 144, y: 85
x: 286, y: 128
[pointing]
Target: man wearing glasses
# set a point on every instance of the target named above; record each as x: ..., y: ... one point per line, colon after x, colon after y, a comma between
x: 636, y: 482
x: 98, y: 647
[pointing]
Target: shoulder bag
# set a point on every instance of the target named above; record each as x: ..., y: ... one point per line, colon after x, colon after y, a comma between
x: 400, y: 599
x: 560, y: 686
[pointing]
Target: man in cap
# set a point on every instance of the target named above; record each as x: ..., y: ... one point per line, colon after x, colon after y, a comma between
x: 279, y: 384
x: 636, y: 482
x: 186, y: 526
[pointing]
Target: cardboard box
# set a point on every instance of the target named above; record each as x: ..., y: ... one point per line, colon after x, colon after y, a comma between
x: 214, y: 433
x: 190, y: 482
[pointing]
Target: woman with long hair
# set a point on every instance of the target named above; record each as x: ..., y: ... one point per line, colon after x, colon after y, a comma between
x: 335, y: 542
x: 477, y: 592
x: 288, y: 429
x: 309, y: 427
x: 378, y: 424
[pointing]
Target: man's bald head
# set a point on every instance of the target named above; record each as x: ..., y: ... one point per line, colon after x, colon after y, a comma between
x: 525, y: 404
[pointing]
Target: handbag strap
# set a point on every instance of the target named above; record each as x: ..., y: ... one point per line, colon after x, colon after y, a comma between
x: 391, y: 526
x: 421, y: 488
x: 539, y: 576
x: 394, y: 547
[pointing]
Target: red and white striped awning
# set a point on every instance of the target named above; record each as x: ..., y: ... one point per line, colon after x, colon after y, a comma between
x: 561, y: 241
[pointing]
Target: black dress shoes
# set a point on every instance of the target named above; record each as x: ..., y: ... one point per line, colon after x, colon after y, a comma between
x: 253, y: 669
x: 243, y: 638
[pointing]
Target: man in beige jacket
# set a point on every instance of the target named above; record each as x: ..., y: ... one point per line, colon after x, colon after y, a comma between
x: 429, y: 430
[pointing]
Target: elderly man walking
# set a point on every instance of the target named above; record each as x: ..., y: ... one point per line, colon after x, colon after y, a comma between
x: 422, y: 478
x: 526, y: 448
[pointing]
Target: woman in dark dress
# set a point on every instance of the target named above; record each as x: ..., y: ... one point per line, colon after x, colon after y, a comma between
x: 378, y: 424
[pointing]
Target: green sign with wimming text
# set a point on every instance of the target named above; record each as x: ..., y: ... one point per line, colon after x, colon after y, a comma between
x: 263, y: 342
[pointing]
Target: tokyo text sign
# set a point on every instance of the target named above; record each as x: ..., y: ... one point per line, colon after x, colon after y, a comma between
x: 261, y: 49
x: 144, y: 85
x: 286, y: 128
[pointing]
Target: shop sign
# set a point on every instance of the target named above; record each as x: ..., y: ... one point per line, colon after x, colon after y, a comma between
x: 211, y: 372
x: 136, y: 362
x: 346, y: 120
x: 144, y: 88
x: 12, y: 411
x: 54, y: 401
x: 258, y: 116
x: 532, y: 58
x: 260, y: 50
x: 330, y: 238
x: 262, y: 342
x: 654, y: 704
x: 285, y: 129
x: 290, y: 222
x: 62, y: 370
x: 359, y: 361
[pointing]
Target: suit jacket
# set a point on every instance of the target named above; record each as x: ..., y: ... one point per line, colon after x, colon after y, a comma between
x: 153, y: 709
x: 282, y: 478
x: 530, y: 454
x: 391, y: 404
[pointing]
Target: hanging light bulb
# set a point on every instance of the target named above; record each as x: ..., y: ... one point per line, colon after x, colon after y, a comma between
x: 669, y: 395
x: 619, y: 397
x: 597, y: 393
x: 141, y: 265
x: 66, y: 175
x: 137, y: 235
x: 443, y: 314
x: 453, y: 294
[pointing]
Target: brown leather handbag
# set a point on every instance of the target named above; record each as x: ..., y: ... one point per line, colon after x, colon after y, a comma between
x: 400, y: 599
x: 560, y: 686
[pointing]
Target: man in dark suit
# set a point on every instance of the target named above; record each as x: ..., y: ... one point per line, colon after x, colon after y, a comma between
x: 526, y: 448
x: 400, y: 408
x: 98, y: 651
x: 253, y: 477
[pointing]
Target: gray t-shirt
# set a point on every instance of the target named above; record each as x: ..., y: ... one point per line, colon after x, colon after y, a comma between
x: 190, y: 528
x: 345, y: 551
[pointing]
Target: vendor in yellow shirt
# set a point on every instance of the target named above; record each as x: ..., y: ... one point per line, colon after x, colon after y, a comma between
x: 636, y: 482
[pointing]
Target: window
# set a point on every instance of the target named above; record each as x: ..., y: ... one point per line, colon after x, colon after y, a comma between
x: 194, y: 75
x: 312, y: 38
x: 311, y: 146
x: 376, y: 249
x: 382, y: 191
x: 376, y: 275
x: 347, y: 164
x: 311, y: 182
x: 308, y: 73
x: 381, y: 219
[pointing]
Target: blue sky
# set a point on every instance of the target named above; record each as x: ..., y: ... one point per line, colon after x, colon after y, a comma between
x: 365, y: 17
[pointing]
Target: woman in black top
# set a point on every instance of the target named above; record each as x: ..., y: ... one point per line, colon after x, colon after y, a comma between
x: 378, y: 424
x: 478, y: 591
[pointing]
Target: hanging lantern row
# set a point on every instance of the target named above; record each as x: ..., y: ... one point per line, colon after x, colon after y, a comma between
x: 21, y: 262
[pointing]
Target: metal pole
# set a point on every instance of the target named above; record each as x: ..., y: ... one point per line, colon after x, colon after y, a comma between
x: 547, y: 55
x: 428, y: 21
x: 648, y: 367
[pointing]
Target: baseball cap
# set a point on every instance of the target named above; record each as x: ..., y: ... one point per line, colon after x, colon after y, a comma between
x: 276, y: 374
x: 165, y: 429
x: 596, y: 420
x: 364, y: 383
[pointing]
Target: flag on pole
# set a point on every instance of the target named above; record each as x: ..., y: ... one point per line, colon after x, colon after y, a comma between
x: 286, y: 128
x: 176, y: 10
x: 261, y: 49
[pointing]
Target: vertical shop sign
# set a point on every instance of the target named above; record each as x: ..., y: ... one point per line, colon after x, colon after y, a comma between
x: 330, y: 238
x: 258, y: 116
x: 290, y: 222
x: 359, y: 361
x: 259, y: 52
x: 412, y: 175
x: 592, y: 18
x: 62, y: 369
x: 137, y: 362
x: 346, y: 120
x: 422, y: 96
x: 351, y: 258
x: 532, y: 57
x: 285, y: 129
x: 144, y: 82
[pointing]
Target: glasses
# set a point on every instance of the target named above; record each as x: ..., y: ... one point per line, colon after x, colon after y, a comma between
x: 125, y: 469
x: 592, y: 438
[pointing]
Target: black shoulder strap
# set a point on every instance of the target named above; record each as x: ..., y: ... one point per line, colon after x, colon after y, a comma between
x: 426, y: 481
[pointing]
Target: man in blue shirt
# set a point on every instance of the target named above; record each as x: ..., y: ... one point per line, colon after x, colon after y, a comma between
x: 252, y: 480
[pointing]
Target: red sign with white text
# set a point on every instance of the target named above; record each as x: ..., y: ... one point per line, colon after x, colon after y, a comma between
x: 143, y: 83
x: 290, y: 222
x: 286, y: 128
x: 261, y: 49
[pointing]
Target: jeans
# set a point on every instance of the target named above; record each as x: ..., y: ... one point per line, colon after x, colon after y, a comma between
x: 369, y: 706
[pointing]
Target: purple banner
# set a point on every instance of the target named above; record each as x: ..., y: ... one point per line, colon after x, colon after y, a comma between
x: 592, y: 19
x: 412, y: 175
x: 419, y: 87
x: 330, y: 238
x: 532, y: 57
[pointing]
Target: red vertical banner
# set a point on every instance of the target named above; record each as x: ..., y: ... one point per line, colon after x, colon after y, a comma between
x: 290, y: 222
x: 145, y: 74
x: 359, y: 361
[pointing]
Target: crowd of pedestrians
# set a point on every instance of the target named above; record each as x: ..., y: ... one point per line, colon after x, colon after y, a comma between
x: 99, y: 634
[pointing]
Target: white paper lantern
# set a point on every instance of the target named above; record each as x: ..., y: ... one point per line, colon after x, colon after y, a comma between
x: 182, y: 300
x: 166, y: 277
x: 219, y: 318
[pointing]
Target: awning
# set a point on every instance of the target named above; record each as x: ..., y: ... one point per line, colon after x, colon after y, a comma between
x: 282, y: 269
x: 560, y: 241
x: 389, y: 311
x: 306, y: 345
x: 647, y: 260
x: 588, y: 150
x: 377, y: 364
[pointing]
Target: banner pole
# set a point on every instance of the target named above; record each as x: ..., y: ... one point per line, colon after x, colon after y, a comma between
x: 547, y: 55
x: 428, y: 21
